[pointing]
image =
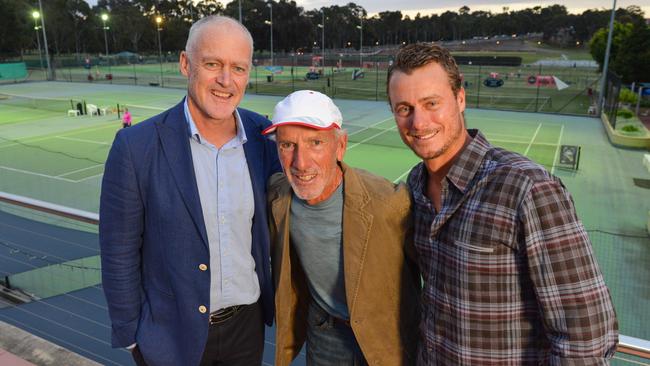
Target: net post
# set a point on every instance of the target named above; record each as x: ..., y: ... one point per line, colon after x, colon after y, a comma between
x: 118, y: 111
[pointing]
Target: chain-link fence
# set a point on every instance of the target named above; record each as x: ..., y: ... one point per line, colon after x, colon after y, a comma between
x: 566, y: 88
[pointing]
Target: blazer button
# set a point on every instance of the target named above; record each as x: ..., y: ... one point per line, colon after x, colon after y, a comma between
x: 203, y: 267
x: 202, y: 309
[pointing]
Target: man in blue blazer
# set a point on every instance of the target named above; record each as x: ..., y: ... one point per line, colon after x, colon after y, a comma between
x: 183, y: 224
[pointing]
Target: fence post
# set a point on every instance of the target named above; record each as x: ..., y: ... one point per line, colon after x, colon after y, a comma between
x: 539, y: 73
x: 332, y: 88
x: 377, y: 81
x: 478, y: 86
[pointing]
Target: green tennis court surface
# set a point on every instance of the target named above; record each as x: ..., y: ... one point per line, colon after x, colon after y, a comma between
x: 48, y: 155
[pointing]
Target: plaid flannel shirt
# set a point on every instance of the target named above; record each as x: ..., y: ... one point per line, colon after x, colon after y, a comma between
x: 509, y: 273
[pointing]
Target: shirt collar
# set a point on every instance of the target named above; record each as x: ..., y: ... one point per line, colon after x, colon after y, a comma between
x: 463, y: 170
x: 193, y: 132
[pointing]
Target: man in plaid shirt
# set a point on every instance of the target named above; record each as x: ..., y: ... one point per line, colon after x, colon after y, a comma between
x: 509, y: 273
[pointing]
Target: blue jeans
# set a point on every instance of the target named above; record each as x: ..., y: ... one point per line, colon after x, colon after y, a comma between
x: 330, y: 342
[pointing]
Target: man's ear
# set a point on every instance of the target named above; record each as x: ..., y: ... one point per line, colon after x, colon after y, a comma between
x: 184, y: 64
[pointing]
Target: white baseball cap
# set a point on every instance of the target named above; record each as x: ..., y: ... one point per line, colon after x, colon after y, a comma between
x: 306, y: 108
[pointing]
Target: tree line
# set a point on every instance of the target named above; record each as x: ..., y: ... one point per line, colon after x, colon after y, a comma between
x: 75, y: 27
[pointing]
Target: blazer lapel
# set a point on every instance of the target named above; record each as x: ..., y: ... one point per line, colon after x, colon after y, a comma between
x: 357, y: 225
x: 255, y: 159
x: 175, y: 143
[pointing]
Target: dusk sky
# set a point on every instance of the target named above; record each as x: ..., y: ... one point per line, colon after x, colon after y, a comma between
x: 412, y: 7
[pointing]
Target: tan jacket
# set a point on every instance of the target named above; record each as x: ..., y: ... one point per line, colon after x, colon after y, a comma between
x: 382, y: 287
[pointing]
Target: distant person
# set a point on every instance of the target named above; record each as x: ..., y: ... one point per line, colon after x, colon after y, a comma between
x: 126, y: 118
x: 510, y: 277
x: 340, y: 236
x: 183, y: 231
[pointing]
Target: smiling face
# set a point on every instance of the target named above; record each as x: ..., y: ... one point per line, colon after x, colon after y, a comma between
x: 310, y: 159
x: 217, y: 67
x: 428, y: 114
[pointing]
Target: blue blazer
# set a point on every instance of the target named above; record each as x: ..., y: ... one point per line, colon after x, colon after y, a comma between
x: 153, y: 237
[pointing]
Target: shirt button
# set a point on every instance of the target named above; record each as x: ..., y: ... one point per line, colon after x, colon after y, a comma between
x: 203, y: 267
x: 202, y: 309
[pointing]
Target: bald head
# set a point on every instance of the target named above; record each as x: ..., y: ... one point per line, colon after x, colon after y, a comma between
x: 220, y: 22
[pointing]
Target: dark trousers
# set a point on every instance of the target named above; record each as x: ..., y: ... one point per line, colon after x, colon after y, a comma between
x: 238, y: 341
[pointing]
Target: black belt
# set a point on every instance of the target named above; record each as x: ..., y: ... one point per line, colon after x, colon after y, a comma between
x: 224, y: 314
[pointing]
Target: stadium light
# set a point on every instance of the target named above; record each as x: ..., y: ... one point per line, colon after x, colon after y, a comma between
x: 159, y: 28
x: 606, y: 65
x: 360, y: 37
x: 50, y: 76
x: 270, y: 23
x: 108, y: 59
x: 322, y: 45
x: 36, y: 15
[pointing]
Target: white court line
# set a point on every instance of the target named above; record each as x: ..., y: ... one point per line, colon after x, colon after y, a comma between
x: 521, y: 142
x: 79, y: 170
x: 402, y: 176
x: 37, y: 174
x: 35, y: 139
x: 50, y: 237
x: 370, y: 126
x: 519, y: 122
x: 489, y: 135
x: 557, y: 149
x: 88, y: 178
x: 539, y: 126
x: 82, y: 140
x: 371, y: 137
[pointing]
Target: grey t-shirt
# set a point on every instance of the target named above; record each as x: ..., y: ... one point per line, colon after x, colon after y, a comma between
x: 316, y: 236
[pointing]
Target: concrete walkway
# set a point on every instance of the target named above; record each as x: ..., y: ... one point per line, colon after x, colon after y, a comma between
x: 20, y: 348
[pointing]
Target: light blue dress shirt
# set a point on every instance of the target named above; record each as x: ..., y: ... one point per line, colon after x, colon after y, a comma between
x: 226, y: 194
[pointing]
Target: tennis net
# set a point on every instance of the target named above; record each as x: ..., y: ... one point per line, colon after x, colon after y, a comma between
x: 41, y: 103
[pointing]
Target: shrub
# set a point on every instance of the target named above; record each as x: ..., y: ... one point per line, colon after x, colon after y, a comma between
x: 630, y: 128
x: 625, y: 113
x: 627, y: 96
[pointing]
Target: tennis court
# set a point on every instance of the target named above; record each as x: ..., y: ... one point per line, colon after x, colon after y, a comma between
x: 50, y: 156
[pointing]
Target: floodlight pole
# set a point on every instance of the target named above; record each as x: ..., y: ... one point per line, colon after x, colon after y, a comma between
x: 323, y: 41
x: 37, y: 15
x: 606, y: 63
x: 47, y: 53
x: 104, y: 18
x: 240, y: 18
x: 158, y: 22
x: 360, y: 38
x: 270, y: 5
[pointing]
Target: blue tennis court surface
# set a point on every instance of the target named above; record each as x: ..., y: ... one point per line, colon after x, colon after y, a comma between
x: 78, y: 319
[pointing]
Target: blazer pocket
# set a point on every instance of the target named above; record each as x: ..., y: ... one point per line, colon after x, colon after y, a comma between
x: 474, y: 248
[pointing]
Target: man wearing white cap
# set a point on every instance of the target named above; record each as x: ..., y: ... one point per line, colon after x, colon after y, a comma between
x: 338, y: 236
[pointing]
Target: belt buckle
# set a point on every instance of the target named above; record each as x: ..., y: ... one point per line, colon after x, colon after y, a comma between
x: 224, y: 314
